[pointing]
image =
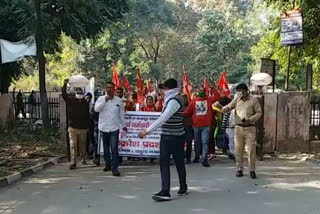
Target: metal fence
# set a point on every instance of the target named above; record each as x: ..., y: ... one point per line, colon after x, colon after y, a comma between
x: 315, y: 117
x: 33, y: 111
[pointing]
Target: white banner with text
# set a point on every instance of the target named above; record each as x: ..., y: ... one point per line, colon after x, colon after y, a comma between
x: 130, y: 145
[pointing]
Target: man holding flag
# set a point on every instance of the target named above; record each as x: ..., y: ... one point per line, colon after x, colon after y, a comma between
x: 201, y: 112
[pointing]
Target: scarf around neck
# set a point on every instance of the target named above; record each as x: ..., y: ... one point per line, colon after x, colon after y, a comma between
x: 170, y: 94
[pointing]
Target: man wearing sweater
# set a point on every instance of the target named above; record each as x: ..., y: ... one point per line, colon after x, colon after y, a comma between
x: 172, y: 140
x: 201, y: 112
x: 79, y: 118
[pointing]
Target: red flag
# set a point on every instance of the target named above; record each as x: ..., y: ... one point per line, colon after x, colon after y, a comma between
x: 120, y: 84
x: 139, y: 87
x: 206, y: 87
x: 126, y: 84
x: 215, y: 93
x: 149, y: 86
x: 115, y: 78
x: 223, y: 84
x: 186, y: 83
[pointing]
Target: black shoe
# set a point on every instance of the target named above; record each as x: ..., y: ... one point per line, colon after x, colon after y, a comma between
x: 96, y: 162
x: 188, y: 161
x: 239, y: 174
x: 183, y: 191
x: 205, y: 163
x: 171, y: 162
x: 162, y: 196
x: 224, y: 151
x: 84, y: 163
x: 231, y: 156
x: 116, y: 173
x: 196, y: 160
x: 152, y: 161
x: 107, y: 168
x: 73, y: 166
x: 120, y: 160
x: 253, y: 175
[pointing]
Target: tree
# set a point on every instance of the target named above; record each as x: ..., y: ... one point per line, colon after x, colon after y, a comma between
x: 77, y: 18
x: 9, y: 28
x: 302, y: 55
x: 220, y: 46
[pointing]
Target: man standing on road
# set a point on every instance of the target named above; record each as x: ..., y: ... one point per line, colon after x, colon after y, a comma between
x: 201, y: 112
x: 111, y: 120
x: 172, y: 140
x: 247, y: 113
x: 187, y: 122
x: 90, y: 135
x: 79, y: 117
x: 119, y: 93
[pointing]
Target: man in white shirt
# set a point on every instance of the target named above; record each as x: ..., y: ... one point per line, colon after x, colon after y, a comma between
x: 111, y: 120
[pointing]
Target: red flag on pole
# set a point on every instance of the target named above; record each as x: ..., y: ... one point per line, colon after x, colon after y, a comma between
x: 139, y: 87
x: 115, y: 78
x: 149, y: 86
x: 223, y: 84
x: 126, y: 84
x: 206, y: 87
x: 186, y: 83
x: 120, y: 84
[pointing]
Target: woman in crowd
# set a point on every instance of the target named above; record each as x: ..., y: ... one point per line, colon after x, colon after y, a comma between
x: 149, y: 107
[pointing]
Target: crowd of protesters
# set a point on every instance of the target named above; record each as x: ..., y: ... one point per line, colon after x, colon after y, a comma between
x: 209, y: 118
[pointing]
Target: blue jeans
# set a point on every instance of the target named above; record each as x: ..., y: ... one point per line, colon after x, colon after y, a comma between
x: 201, y: 135
x: 222, y: 140
x: 111, y: 139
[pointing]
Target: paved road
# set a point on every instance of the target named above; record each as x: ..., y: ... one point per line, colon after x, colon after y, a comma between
x: 282, y: 187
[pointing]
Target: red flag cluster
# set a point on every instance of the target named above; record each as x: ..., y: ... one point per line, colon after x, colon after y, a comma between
x: 223, y: 84
x: 117, y: 81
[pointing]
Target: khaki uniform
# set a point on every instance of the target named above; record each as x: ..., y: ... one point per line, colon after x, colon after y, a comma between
x: 78, y: 142
x: 245, y: 135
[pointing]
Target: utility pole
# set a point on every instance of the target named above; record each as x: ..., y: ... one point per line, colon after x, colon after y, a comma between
x: 42, y: 66
x: 288, y: 69
x: 287, y: 84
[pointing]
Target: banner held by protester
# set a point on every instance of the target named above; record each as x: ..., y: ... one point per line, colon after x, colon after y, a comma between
x: 130, y: 145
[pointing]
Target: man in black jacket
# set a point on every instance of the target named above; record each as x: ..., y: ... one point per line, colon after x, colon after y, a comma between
x: 79, y: 117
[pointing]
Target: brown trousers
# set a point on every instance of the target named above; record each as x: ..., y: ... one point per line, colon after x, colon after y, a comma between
x: 78, y: 141
x: 245, y: 138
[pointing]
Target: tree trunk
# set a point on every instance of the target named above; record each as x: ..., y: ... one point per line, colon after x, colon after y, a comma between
x: 4, y: 78
x: 42, y: 67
